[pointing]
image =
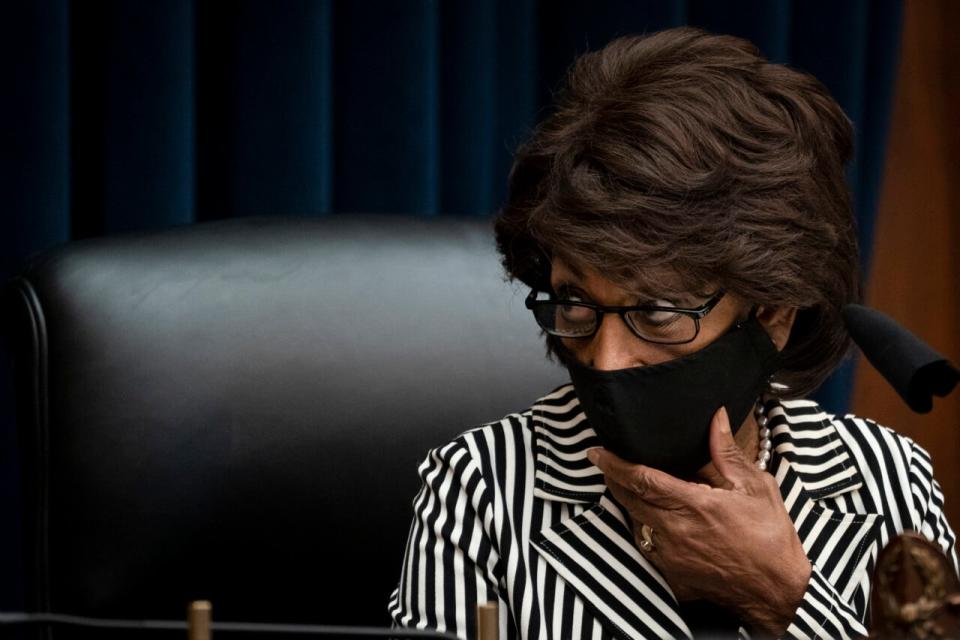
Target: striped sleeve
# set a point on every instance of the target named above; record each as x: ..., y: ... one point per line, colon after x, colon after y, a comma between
x: 450, y: 563
x: 823, y: 613
x: 929, y: 519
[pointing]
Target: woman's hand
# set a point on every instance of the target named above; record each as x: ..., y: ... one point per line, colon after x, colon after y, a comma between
x: 733, y: 543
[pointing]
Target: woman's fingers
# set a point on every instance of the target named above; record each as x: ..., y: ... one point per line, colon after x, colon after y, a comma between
x: 726, y: 455
x: 645, y: 483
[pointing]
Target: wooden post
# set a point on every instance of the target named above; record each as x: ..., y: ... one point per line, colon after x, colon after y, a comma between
x: 488, y: 622
x: 198, y: 620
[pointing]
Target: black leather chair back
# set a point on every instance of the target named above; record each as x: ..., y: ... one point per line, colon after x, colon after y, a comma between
x: 236, y: 410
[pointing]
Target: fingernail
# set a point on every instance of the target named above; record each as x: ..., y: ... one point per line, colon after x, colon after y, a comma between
x: 593, y: 455
x: 724, y: 421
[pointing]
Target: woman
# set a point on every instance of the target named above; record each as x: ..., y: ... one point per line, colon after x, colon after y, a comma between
x: 683, y: 222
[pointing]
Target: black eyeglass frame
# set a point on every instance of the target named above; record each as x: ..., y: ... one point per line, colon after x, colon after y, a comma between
x: 697, y: 313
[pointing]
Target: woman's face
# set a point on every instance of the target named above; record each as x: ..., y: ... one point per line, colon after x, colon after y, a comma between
x: 614, y: 345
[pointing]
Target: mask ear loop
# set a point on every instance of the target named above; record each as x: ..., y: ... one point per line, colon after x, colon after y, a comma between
x: 769, y: 393
x: 772, y: 390
x: 751, y: 315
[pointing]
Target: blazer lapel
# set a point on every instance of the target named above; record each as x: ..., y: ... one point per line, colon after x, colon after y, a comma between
x: 811, y: 463
x: 594, y: 551
x: 595, y: 554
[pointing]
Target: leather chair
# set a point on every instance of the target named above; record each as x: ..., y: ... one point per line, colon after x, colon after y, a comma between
x: 235, y: 410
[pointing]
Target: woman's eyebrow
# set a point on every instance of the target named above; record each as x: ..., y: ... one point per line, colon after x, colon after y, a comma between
x: 649, y: 292
x: 567, y: 276
x: 672, y: 299
x: 567, y: 267
x: 563, y: 283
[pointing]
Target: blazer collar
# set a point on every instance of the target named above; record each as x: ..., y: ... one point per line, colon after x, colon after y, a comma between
x: 562, y: 438
x: 594, y: 552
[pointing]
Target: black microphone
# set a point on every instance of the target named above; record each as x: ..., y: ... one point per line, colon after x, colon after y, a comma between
x: 912, y: 367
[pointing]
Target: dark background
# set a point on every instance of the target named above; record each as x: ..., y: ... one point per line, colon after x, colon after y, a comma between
x: 131, y: 115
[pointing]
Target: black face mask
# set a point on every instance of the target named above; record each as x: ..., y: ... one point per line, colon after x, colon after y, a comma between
x: 659, y: 415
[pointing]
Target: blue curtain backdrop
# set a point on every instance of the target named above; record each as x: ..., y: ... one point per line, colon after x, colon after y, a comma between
x: 127, y: 115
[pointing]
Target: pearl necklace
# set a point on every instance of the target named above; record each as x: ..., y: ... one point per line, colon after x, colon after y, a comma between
x: 763, y: 455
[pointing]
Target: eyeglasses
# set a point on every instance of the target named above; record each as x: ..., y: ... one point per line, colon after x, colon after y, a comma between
x: 652, y: 323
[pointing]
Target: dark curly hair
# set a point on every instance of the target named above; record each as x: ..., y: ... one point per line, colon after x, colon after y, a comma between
x: 689, y: 153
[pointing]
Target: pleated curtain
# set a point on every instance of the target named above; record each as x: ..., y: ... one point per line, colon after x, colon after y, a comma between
x: 124, y: 115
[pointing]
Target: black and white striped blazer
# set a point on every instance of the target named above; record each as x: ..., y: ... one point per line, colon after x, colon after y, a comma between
x: 514, y: 512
